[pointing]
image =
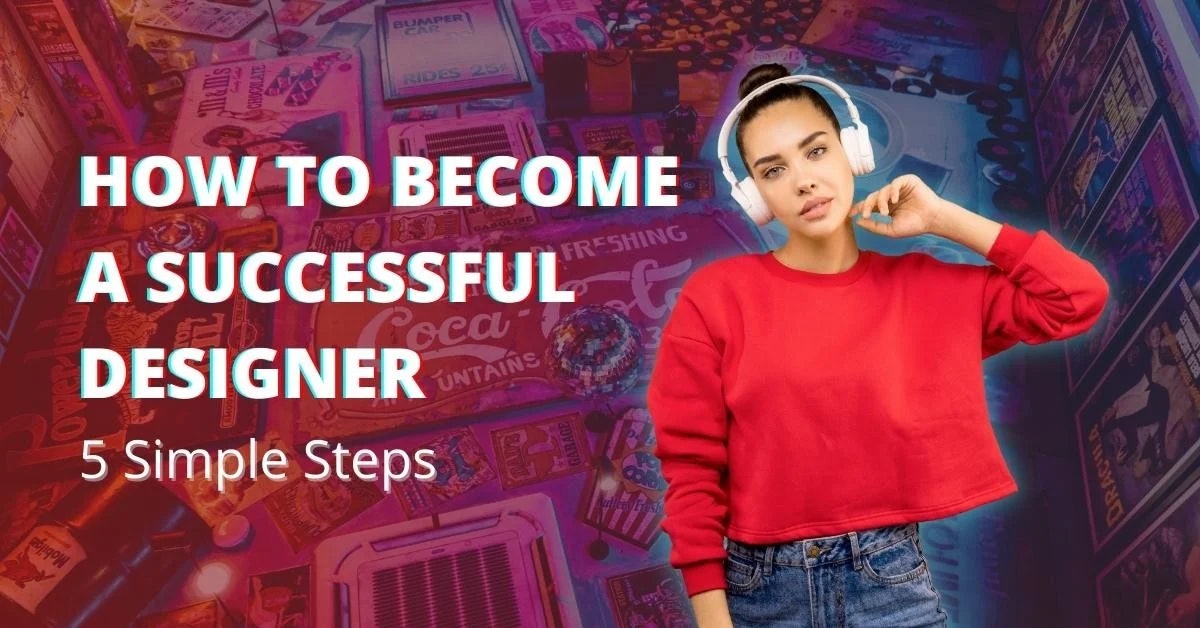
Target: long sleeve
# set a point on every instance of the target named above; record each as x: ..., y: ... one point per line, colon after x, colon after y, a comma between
x: 686, y: 402
x: 1037, y: 291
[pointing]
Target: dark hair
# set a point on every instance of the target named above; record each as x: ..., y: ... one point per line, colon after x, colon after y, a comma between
x: 761, y: 75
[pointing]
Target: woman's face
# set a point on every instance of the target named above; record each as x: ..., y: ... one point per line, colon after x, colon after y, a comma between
x: 796, y: 158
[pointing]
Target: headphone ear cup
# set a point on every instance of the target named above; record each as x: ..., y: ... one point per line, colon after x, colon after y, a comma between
x: 851, y: 146
x: 752, y: 202
x: 866, y: 153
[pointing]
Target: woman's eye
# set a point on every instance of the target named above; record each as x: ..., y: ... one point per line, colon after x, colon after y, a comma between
x: 771, y: 172
x: 817, y: 152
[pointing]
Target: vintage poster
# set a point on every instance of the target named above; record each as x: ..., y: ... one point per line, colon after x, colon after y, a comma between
x: 294, y: 105
x: 624, y: 494
x: 1155, y: 582
x: 1053, y: 33
x: 1074, y: 85
x: 34, y: 126
x: 279, y: 599
x: 1123, y: 104
x: 1170, y: 27
x: 208, y: 19
x: 100, y: 31
x: 1140, y: 230
x: 306, y: 512
x: 959, y: 41
x: 1138, y: 429
x: 461, y: 465
x: 18, y: 248
x: 95, y: 121
x: 540, y: 450
x: 44, y: 363
x: 437, y: 50
x: 481, y: 355
x: 654, y: 596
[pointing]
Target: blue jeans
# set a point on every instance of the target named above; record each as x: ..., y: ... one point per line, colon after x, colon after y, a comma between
x: 875, y: 577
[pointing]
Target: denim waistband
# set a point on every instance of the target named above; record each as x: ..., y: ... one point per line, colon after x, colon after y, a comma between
x: 823, y: 550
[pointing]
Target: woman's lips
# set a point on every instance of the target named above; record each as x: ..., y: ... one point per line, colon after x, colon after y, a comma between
x: 816, y: 211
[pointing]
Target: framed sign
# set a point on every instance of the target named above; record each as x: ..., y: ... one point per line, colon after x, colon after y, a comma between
x: 199, y: 18
x: 437, y: 50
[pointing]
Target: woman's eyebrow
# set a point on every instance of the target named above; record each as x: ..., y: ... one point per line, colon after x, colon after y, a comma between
x: 775, y: 156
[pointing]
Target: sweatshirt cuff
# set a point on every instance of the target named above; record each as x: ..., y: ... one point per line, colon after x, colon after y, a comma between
x: 1010, y: 246
x: 705, y: 576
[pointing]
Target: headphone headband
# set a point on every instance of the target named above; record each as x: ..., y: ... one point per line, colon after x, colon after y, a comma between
x: 735, y: 114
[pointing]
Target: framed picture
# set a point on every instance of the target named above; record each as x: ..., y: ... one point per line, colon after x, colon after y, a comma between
x: 11, y: 299
x: 438, y: 50
x: 19, y: 248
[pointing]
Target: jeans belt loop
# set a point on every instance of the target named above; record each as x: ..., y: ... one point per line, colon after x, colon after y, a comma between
x: 768, y: 559
x: 855, y: 550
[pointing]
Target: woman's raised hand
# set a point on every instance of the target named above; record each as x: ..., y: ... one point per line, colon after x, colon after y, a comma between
x: 912, y: 206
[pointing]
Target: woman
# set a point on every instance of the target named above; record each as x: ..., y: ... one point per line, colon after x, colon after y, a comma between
x: 813, y: 403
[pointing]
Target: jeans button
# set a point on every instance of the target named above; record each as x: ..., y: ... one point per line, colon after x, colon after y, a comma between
x: 813, y: 551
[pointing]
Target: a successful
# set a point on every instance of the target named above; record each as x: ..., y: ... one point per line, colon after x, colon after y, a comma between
x: 253, y: 373
x: 225, y: 466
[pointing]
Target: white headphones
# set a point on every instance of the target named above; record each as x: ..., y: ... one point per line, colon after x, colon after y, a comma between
x: 855, y: 139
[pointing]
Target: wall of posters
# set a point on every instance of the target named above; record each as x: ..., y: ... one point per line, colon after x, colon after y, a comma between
x: 1123, y: 104
x: 1074, y: 84
x: 1139, y: 230
x: 34, y: 128
x: 1053, y: 33
x: 1139, y: 428
x: 1156, y: 580
x: 1172, y: 45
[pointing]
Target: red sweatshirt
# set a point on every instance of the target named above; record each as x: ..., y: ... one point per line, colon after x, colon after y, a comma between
x: 789, y: 404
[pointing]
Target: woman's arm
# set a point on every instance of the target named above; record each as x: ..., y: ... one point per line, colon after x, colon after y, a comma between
x: 712, y: 609
x: 1036, y: 291
x: 687, y: 405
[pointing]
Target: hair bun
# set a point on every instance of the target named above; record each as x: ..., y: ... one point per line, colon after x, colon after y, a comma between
x: 760, y: 75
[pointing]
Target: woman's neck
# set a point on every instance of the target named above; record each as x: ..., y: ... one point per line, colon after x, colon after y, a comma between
x: 834, y: 254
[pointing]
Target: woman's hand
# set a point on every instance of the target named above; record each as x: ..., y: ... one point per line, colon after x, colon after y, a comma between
x: 913, y: 207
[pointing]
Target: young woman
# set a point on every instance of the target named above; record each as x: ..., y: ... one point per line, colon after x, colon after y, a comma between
x: 813, y: 403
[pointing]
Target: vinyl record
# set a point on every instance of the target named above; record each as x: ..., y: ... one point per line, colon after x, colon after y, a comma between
x: 817, y: 60
x: 1015, y: 200
x: 719, y: 61
x: 1004, y: 174
x: 1009, y: 128
x: 990, y: 102
x: 790, y: 38
x: 732, y: 26
x: 689, y: 48
x: 766, y: 24
x: 696, y: 30
x: 701, y: 11
x: 913, y: 86
x: 645, y: 40
x: 724, y: 43
x: 1000, y: 151
x: 950, y: 85
x: 690, y: 64
x: 736, y: 9
x: 765, y: 41
x: 1010, y: 87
